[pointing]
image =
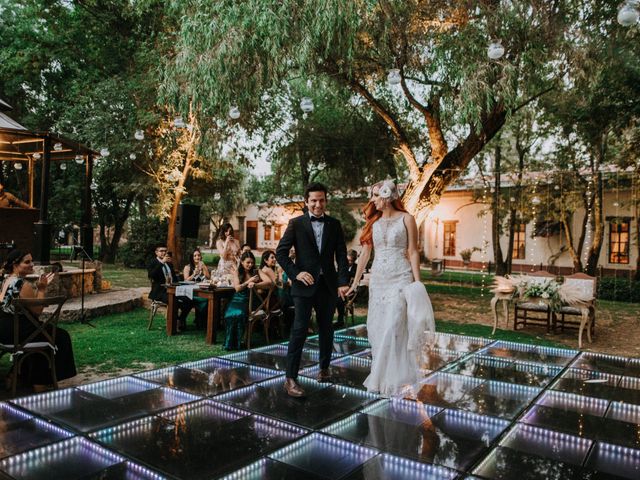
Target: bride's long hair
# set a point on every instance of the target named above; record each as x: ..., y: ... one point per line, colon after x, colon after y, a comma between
x: 372, y: 214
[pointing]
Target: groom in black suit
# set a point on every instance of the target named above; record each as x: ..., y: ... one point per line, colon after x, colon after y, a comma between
x: 319, y: 244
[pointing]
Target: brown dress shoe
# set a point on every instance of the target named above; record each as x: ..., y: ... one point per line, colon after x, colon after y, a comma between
x: 293, y: 389
x: 324, y: 375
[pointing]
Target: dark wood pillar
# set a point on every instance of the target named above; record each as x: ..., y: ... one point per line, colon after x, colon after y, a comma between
x: 86, y: 233
x: 42, y: 228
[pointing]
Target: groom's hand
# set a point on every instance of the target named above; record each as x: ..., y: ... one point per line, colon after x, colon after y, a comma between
x: 306, y: 278
x: 343, y: 291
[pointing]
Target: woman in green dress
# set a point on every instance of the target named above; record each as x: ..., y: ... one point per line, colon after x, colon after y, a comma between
x: 235, y: 317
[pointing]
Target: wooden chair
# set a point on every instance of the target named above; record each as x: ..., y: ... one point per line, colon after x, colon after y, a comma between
x: 258, y: 314
x: 587, y: 314
x: 349, y: 306
x: 155, y: 306
x: 19, y: 350
x: 526, y: 311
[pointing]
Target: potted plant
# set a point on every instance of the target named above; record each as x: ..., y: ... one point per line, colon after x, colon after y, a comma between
x: 466, y: 255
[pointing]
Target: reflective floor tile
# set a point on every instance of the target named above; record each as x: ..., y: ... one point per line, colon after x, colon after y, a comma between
x: 20, y: 431
x: 449, y: 438
x: 80, y: 410
x: 349, y: 371
x: 269, y: 469
x: 505, y: 370
x: 460, y: 344
x: 325, y: 456
x: 534, y: 453
x: 210, y: 381
x: 342, y: 344
x: 358, y: 331
x: 389, y: 467
x: 530, y: 353
x: 599, y: 385
x: 117, y: 387
x: 273, y: 357
x: 612, y: 364
x: 446, y: 390
x: 199, y: 440
x: 76, y: 458
x: 323, y: 404
x: 609, y: 462
x: 435, y: 358
x: 499, y: 399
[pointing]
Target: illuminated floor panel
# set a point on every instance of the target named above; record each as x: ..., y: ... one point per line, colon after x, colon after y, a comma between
x: 483, y: 410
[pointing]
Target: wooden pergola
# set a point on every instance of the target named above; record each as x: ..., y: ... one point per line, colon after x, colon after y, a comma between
x: 37, y: 150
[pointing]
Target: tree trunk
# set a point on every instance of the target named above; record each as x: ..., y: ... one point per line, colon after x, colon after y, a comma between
x: 598, y: 228
x: 109, y: 255
x: 568, y: 235
x: 425, y: 189
x: 512, y: 224
x: 496, y: 221
x: 173, y: 242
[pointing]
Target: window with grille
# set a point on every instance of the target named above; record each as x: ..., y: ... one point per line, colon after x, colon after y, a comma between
x: 267, y: 232
x: 449, y: 240
x: 619, y: 241
x: 519, y: 241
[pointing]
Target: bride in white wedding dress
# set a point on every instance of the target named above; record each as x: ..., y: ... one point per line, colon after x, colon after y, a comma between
x: 399, y: 308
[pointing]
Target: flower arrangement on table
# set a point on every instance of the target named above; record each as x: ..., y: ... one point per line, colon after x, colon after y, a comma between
x: 544, y: 293
x: 549, y: 292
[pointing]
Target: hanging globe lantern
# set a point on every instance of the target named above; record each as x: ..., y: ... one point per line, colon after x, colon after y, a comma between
x: 17, y: 166
x: 104, y: 152
x: 495, y: 50
x: 178, y: 122
x: 93, y: 186
x: 36, y: 156
x: 79, y: 159
x: 57, y: 147
x: 306, y: 105
x: 628, y: 14
x: 132, y: 156
x: 139, y: 135
x: 536, y: 201
x: 512, y: 199
x: 234, y: 112
x: 556, y: 187
x: 63, y: 166
x: 616, y: 204
x: 394, y: 78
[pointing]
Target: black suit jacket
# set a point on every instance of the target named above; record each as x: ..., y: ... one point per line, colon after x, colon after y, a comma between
x: 299, y: 234
x: 156, y: 275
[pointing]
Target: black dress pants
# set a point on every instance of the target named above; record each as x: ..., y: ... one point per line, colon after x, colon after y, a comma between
x: 324, y: 303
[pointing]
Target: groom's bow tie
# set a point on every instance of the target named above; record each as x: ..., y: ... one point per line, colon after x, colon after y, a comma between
x: 317, y: 219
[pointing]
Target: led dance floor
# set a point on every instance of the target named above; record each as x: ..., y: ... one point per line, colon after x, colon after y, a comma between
x: 484, y: 410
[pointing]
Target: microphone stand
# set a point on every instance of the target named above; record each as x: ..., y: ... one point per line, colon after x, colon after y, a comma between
x: 79, y: 249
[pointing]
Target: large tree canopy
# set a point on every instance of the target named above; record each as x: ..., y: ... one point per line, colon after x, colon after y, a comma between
x: 230, y: 52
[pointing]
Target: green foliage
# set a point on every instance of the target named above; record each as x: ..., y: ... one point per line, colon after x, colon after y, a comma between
x: 144, y: 234
x: 619, y: 289
x: 339, y: 209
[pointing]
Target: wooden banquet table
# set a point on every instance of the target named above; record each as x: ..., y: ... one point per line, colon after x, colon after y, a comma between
x: 214, y: 308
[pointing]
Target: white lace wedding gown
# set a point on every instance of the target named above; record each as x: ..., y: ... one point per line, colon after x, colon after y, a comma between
x: 393, y: 367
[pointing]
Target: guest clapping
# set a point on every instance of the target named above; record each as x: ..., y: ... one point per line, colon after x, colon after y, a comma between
x: 196, y: 270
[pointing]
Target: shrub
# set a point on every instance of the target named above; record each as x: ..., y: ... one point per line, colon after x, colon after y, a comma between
x: 619, y: 289
x: 144, y: 235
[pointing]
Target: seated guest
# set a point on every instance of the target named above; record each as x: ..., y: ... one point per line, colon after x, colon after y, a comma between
x: 269, y: 275
x: 160, y: 272
x: 352, y: 256
x: 18, y: 265
x: 7, y: 200
x: 197, y: 271
x: 235, y: 317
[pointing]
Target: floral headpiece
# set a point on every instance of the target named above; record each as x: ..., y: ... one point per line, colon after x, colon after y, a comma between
x: 388, y: 190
